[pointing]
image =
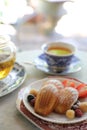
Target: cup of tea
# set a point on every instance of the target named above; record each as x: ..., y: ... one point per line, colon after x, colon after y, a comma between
x: 58, y: 55
x: 7, y: 56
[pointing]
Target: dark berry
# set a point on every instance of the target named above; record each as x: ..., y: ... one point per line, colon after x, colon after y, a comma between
x: 30, y: 97
x: 77, y: 102
x: 32, y: 102
x: 78, y: 112
x: 74, y: 107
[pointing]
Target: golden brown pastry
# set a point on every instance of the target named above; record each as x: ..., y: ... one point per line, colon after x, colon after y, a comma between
x: 46, y: 99
x: 65, y: 99
x: 55, y: 82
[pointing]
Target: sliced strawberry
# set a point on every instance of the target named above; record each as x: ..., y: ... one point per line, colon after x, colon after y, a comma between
x: 80, y: 86
x: 68, y: 83
x: 72, y: 84
x: 82, y: 89
x: 83, y: 94
x: 65, y: 82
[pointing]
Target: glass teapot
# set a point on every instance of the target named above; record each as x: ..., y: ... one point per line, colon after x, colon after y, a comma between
x: 7, y: 56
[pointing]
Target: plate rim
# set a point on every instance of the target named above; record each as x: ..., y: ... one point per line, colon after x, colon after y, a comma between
x: 54, y: 73
x: 76, y: 120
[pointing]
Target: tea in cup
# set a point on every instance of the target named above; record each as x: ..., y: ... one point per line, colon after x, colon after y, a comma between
x: 58, y: 55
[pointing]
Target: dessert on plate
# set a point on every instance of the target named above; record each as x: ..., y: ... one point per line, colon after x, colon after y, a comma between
x: 60, y: 97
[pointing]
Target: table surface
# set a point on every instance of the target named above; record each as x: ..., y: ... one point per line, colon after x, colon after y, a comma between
x: 10, y: 117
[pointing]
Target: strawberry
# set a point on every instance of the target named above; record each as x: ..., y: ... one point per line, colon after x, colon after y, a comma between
x: 68, y: 83
x: 82, y: 89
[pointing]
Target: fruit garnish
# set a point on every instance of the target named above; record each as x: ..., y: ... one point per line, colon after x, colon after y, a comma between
x: 83, y: 106
x: 68, y: 83
x: 78, y: 112
x: 70, y: 114
x: 82, y: 89
x: 74, y: 107
x: 30, y: 97
x: 80, y: 86
x: 32, y: 102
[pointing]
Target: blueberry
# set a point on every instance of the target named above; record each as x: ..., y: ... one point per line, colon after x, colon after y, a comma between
x: 30, y: 97
x: 74, y: 107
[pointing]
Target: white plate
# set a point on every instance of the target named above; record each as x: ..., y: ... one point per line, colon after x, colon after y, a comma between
x: 15, y: 78
x: 41, y: 64
x: 53, y: 117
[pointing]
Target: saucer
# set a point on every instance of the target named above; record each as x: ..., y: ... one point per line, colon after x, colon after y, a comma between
x: 14, y: 80
x: 41, y: 64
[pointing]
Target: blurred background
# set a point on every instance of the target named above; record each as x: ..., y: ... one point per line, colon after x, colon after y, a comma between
x: 30, y: 23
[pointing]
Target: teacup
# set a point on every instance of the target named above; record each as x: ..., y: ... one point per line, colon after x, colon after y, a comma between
x: 58, y: 55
